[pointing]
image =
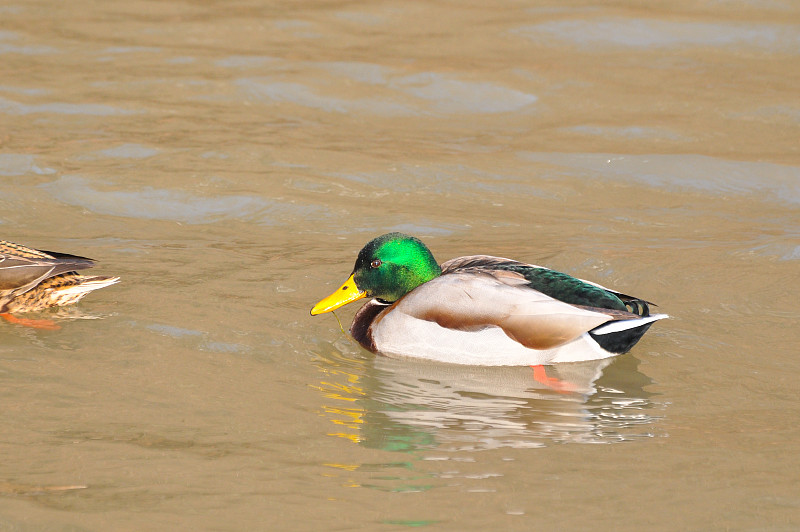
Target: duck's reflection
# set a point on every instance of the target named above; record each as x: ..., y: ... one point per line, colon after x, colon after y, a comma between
x: 402, y: 404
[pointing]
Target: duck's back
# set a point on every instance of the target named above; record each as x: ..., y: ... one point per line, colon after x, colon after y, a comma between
x: 22, y: 268
x: 32, y: 279
x: 555, y: 284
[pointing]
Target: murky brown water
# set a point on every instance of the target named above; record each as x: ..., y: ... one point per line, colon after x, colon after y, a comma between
x: 229, y: 159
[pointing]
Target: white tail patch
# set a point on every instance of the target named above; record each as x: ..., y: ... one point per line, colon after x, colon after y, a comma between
x: 86, y: 286
x: 624, y: 325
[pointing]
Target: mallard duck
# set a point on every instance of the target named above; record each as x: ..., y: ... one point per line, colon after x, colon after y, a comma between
x: 482, y: 310
x: 31, y: 279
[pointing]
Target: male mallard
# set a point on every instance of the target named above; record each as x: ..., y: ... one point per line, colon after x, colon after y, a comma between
x: 34, y: 280
x: 482, y: 310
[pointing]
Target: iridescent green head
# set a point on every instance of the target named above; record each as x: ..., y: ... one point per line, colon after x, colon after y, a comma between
x: 387, y: 268
x: 392, y: 265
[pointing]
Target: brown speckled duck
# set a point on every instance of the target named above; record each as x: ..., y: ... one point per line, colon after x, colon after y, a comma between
x: 31, y: 279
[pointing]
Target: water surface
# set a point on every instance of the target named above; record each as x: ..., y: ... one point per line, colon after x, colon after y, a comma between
x: 229, y: 161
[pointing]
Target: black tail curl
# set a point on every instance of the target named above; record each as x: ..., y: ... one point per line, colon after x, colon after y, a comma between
x: 638, y: 306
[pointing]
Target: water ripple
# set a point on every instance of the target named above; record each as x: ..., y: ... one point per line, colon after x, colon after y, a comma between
x: 7, y: 48
x: 652, y: 33
x: 694, y: 172
x: 389, y: 92
x: 15, y: 108
x: 174, y: 205
x: 14, y: 164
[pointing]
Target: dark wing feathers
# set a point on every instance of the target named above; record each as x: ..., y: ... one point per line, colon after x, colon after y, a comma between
x: 22, y: 268
x: 555, y: 284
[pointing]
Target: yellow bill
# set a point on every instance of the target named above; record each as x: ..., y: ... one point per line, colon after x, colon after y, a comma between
x: 347, y: 293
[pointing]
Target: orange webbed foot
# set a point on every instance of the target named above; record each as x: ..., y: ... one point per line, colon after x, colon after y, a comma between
x: 47, y: 325
x: 561, y: 386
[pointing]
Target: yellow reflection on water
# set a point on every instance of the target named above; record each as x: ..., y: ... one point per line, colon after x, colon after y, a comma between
x: 350, y: 415
x: 408, y: 405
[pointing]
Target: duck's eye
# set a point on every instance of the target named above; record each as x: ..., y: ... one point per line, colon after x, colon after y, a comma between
x: 375, y: 263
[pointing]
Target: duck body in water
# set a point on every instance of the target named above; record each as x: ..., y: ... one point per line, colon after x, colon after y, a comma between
x: 482, y: 310
x: 31, y: 279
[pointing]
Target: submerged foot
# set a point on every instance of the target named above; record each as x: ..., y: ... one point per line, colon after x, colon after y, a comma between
x: 48, y: 325
x: 561, y: 386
